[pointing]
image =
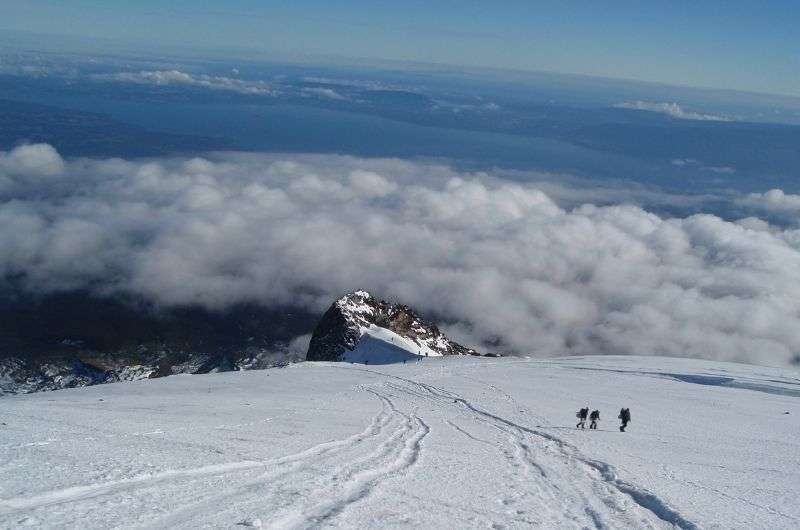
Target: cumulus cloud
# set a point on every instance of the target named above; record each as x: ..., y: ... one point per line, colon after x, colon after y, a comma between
x: 775, y: 204
x: 502, y: 264
x: 671, y: 109
x: 177, y: 77
x: 29, y: 164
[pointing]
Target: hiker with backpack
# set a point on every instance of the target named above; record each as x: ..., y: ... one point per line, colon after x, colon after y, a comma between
x: 593, y: 417
x: 625, y: 418
x: 581, y: 415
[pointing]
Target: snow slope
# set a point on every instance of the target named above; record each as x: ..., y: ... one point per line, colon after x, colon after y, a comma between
x: 448, y: 442
x: 379, y: 345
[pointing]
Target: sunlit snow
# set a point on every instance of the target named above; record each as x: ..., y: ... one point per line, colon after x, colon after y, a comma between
x: 447, y: 442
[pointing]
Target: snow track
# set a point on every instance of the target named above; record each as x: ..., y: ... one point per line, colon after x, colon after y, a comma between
x: 547, y: 461
x: 306, y: 489
x: 444, y: 443
x: 90, y: 491
x: 353, y: 481
x: 79, y: 493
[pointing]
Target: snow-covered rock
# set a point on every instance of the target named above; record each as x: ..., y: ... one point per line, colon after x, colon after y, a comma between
x: 360, y: 328
x: 19, y: 375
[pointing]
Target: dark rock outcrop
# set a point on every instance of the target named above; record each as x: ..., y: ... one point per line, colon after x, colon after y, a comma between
x: 343, y: 324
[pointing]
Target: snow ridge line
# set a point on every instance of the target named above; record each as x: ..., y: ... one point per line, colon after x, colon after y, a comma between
x: 642, y: 497
x: 89, y: 491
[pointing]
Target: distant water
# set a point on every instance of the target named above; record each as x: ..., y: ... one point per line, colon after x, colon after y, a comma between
x: 299, y: 128
x: 295, y: 128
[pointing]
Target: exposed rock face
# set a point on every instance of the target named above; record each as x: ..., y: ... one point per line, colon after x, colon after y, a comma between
x: 348, y: 318
x: 72, y: 339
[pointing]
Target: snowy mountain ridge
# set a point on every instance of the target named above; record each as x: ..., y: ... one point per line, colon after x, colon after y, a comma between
x: 361, y: 328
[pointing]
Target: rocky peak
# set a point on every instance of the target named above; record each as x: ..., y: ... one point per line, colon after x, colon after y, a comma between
x: 358, y: 313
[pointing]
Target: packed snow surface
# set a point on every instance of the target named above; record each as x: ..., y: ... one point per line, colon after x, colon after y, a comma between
x: 382, y: 346
x: 447, y: 442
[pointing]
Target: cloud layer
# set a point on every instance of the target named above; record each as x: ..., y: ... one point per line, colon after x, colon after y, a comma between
x: 503, y: 264
x: 177, y: 77
x: 671, y: 109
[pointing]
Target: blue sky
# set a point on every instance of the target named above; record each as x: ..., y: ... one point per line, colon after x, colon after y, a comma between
x: 735, y: 44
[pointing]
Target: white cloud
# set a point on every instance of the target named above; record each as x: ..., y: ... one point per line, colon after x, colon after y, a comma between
x: 352, y: 83
x: 35, y: 163
x: 176, y: 77
x: 32, y: 161
x: 721, y: 170
x: 775, y: 204
x: 671, y: 109
x: 370, y: 184
x: 495, y: 259
x: 326, y: 93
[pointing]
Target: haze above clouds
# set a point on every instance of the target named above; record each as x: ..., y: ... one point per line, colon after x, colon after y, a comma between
x: 502, y: 263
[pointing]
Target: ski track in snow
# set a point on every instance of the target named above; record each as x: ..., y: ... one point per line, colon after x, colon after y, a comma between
x: 540, y: 479
x: 605, y: 485
x: 392, y: 441
x: 406, y: 437
x: 337, y: 472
